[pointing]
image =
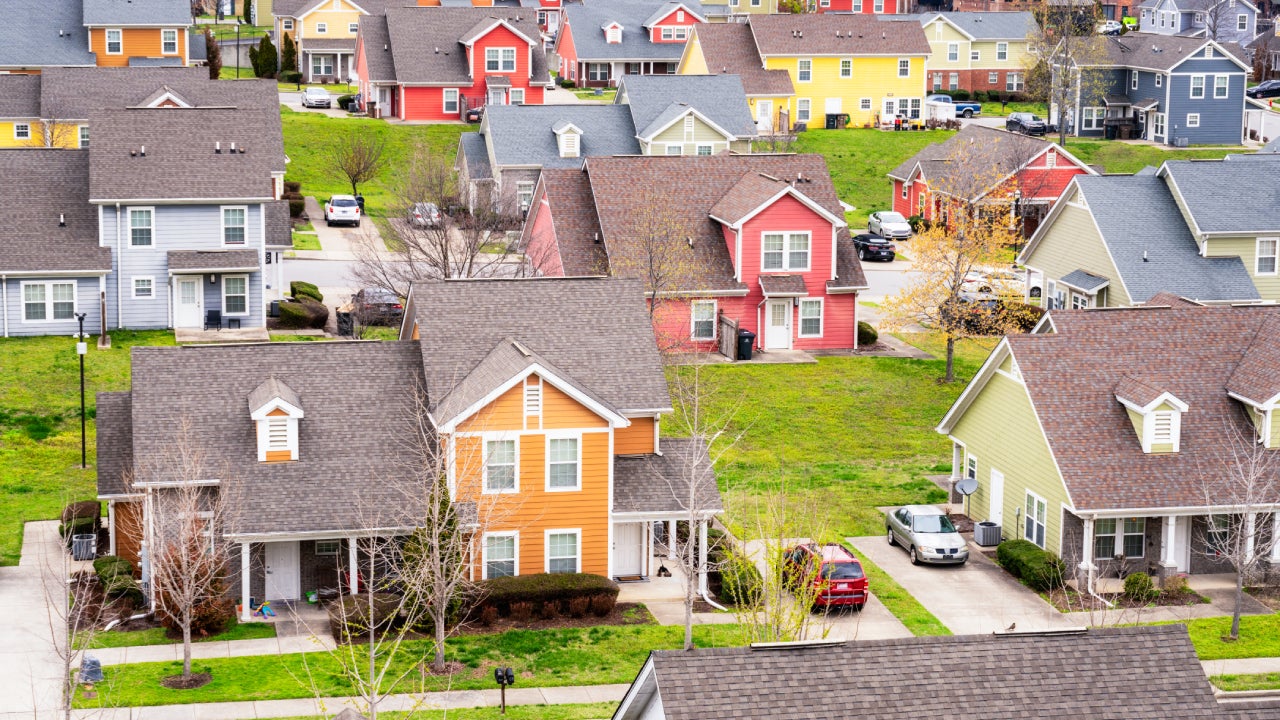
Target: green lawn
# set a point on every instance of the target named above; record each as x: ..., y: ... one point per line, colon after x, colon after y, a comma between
x: 305, y: 241
x: 900, y: 602
x: 157, y: 636
x: 541, y: 658
x: 40, y: 424
x: 1259, y: 637
x: 592, y: 711
x: 606, y: 95
x: 1120, y: 157
x: 246, y: 73
x: 994, y: 109
x: 1239, y: 683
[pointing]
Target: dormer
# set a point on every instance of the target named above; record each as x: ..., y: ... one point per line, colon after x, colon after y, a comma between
x: 612, y: 33
x: 276, y: 410
x: 1156, y: 414
x: 568, y: 139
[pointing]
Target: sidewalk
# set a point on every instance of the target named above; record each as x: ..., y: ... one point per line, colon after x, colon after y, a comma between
x: 327, y: 707
x: 216, y: 649
x: 1241, y: 666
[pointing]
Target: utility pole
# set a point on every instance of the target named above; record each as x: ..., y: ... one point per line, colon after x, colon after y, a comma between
x: 82, y: 348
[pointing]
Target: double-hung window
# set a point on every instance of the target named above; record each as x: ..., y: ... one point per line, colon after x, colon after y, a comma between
x: 233, y: 225
x: 353, y: 28
x: 143, y: 288
x: 804, y: 70
x: 322, y: 28
x: 22, y: 131
x: 235, y: 294
x: 970, y: 466
x: 1034, y: 521
x: 141, y: 227
x: 1013, y: 82
x: 953, y: 52
x: 515, y: 96
x: 1242, y: 23
x: 115, y: 41
x: 975, y: 55
x: 1104, y: 538
x: 1091, y: 118
x: 1218, y: 535
x: 563, y: 464
x: 499, y: 466
x: 1197, y: 86
x: 524, y: 195
x: 499, y: 555
x: 562, y: 551
x: 877, y: 7
x: 84, y: 136
x: 1133, y: 79
x: 450, y: 101
x: 904, y: 68
x: 321, y: 64
x: 500, y: 60
x: 1193, y: 120
x: 785, y: 251
x: 168, y: 42
x: 1221, y: 86
x: 703, y: 320
x: 48, y: 301
x: 811, y: 318
x: 1133, y: 537
x: 1002, y: 51
x: 846, y: 67
x: 803, y: 109
x: 1266, y: 256
x: 1157, y: 124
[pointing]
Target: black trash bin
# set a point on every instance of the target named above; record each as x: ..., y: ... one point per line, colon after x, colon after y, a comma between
x: 346, y: 326
x: 833, y: 121
x: 746, y: 339
x: 360, y: 202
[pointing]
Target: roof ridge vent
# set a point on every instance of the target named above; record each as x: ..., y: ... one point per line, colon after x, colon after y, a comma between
x: 521, y: 348
x: 824, y: 642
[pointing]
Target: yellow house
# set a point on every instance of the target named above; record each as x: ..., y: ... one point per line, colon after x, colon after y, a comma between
x: 718, y: 11
x: 854, y: 66
x: 325, y: 32
x: 977, y: 51
x: 21, y: 124
x: 730, y: 49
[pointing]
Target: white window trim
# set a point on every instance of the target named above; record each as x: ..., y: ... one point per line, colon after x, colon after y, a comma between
x: 487, y: 438
x: 444, y: 101
x: 1039, y: 501
x: 353, y: 28
x: 1193, y: 120
x: 546, y: 547
x: 822, y: 316
x: 546, y: 471
x: 500, y: 51
x: 337, y: 547
x: 222, y: 218
x: 322, y: 28
x: 1226, y: 87
x: 786, y: 250
x: 133, y: 287
x: 906, y: 74
x: 128, y: 227
x: 975, y: 56
x: 666, y: 149
x: 1159, y: 79
x: 25, y: 126
x: 1133, y: 79
x: 799, y: 62
x: 175, y: 41
x: 711, y: 149
x: 808, y: 111
x: 82, y: 136
x: 1191, y: 87
x: 1257, y: 255
x: 511, y: 96
x: 843, y: 74
x: 106, y: 41
x: 247, y: 298
x: 48, y: 301
x: 970, y: 460
x: 953, y: 48
x: 693, y: 334
x: 865, y: 104
x: 286, y: 24
x: 524, y: 194
x: 1002, y: 51
x: 484, y: 551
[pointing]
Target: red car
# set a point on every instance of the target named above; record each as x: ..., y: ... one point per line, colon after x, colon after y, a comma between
x: 835, y: 573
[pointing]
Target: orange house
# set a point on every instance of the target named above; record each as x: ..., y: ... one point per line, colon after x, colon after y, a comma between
x: 150, y: 33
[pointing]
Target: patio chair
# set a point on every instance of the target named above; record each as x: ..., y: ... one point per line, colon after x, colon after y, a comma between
x: 213, y: 319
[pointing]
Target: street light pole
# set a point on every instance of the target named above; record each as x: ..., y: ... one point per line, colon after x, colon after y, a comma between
x: 237, y: 48
x: 82, y: 348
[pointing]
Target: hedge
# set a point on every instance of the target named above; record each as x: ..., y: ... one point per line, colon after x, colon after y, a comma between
x: 550, y: 593
x: 1039, y: 569
x: 740, y: 582
x: 122, y: 586
x: 867, y: 335
x: 78, y: 526
x: 305, y: 314
x: 292, y: 187
x: 299, y: 289
x: 351, y: 615
x: 109, y: 566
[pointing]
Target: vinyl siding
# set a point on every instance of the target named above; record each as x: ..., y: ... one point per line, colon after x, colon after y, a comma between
x: 1000, y: 428
x: 337, y: 21
x: 693, y: 62
x: 561, y: 412
x: 1275, y: 429
x: 1221, y: 119
x: 504, y: 413
x: 136, y: 42
x: 7, y: 139
x: 873, y: 77
x: 636, y: 439
x: 702, y: 134
x: 1246, y: 248
x: 1072, y: 242
x: 86, y: 302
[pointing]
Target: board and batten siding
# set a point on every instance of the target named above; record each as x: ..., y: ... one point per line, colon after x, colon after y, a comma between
x: 1246, y: 248
x: 1001, y: 429
x: 86, y: 302
x: 1071, y: 243
x: 703, y: 134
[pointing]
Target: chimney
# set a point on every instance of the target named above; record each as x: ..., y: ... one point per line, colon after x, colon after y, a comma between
x: 1144, y: 256
x: 62, y: 220
x: 385, y: 47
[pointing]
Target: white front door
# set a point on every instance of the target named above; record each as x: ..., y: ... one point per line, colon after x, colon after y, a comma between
x: 777, y: 325
x: 282, y: 570
x: 764, y: 116
x: 628, y: 549
x: 188, y: 309
x: 497, y: 97
x: 996, y: 496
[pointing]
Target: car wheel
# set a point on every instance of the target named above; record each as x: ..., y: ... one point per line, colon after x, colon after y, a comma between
x: 328, y: 222
x: 862, y: 254
x: 892, y: 540
x: 968, y: 113
x: 357, y: 223
x: 915, y: 559
x: 857, y: 607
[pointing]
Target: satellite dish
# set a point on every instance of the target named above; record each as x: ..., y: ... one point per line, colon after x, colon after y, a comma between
x: 966, y: 486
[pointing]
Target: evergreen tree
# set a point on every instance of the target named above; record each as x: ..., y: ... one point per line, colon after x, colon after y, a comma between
x: 213, y: 53
x: 288, y: 56
x: 268, y: 62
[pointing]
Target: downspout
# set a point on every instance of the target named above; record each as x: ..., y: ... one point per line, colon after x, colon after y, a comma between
x: 702, y: 566
x: 4, y: 291
x: 1089, y: 584
x: 120, y: 266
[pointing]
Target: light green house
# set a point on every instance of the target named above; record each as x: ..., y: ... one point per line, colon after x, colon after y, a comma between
x: 1117, y: 240
x: 1102, y: 434
x: 688, y: 114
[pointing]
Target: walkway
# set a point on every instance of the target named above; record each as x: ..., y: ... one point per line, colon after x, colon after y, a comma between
x: 1220, y: 589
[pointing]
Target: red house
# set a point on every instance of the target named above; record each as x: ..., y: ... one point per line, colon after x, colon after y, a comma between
x: 435, y: 63
x: 757, y: 239
x: 981, y: 164
x: 601, y: 41
x: 867, y: 7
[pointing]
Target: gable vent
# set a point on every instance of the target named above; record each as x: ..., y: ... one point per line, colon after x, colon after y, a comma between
x: 532, y: 399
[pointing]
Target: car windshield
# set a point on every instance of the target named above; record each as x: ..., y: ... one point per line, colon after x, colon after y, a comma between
x: 343, y: 202
x: 842, y: 571
x: 933, y: 524
x: 317, y: 92
x: 380, y: 296
x: 1035, y: 118
x: 892, y: 217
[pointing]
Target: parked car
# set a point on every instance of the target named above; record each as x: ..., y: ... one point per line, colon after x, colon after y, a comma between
x: 998, y: 282
x: 1026, y: 123
x: 873, y: 247
x: 1129, y: 22
x: 342, y: 209
x: 927, y: 534
x: 836, y: 575
x: 963, y: 108
x: 1266, y: 89
x: 1110, y: 27
x: 314, y: 97
x: 376, y: 306
x: 424, y: 214
x: 889, y: 224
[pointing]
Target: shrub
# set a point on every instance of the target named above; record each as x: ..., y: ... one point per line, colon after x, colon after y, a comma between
x: 299, y: 289
x: 488, y: 615
x: 292, y: 187
x: 919, y: 223
x: 520, y: 611
x: 344, y: 101
x: 78, y: 526
x: 740, y: 581
x: 292, y: 77
x: 209, y: 616
x: 305, y: 314
x: 109, y: 566
x: 960, y: 95
x: 296, y: 207
x: 122, y: 586
x: 1039, y: 569
x: 867, y: 335
x: 1139, y: 587
x: 602, y: 605
x: 351, y: 615
x: 544, y: 592
x: 579, y: 606
x: 1175, y: 585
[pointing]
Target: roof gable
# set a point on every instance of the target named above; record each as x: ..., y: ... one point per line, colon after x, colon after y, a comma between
x: 815, y: 34
x: 755, y: 193
x: 730, y: 49
x: 659, y: 101
x: 488, y: 25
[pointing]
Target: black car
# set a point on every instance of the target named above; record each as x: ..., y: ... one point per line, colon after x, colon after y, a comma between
x: 874, y: 247
x: 375, y: 306
x: 1026, y: 123
x: 1268, y: 89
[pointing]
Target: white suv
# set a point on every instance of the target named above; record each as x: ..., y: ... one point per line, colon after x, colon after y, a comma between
x: 342, y: 209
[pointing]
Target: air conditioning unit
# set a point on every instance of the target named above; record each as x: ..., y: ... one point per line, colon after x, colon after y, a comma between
x: 1181, y: 142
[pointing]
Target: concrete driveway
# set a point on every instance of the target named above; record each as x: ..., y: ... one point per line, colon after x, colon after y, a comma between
x: 975, y: 598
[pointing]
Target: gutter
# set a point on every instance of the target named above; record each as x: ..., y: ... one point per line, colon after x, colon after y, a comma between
x: 4, y: 292
x: 119, y: 268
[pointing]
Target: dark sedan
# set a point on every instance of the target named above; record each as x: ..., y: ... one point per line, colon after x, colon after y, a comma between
x: 375, y: 306
x: 874, y: 247
x: 1268, y: 89
x: 1026, y: 123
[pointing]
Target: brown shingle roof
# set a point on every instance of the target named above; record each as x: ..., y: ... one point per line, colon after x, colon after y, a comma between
x: 815, y: 34
x: 73, y: 93
x: 426, y: 42
x: 577, y: 228
x: 729, y: 48
x: 188, y: 260
x: 974, y: 160
x: 1191, y: 352
x: 1137, y: 390
x: 749, y: 193
x: 783, y: 285
x: 1257, y: 377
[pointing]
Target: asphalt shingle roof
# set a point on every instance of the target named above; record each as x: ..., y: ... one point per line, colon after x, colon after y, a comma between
x: 577, y: 227
x: 948, y: 166
x: 475, y: 156
x: 72, y: 93
x: 272, y: 389
x: 1140, y: 672
x: 522, y: 134
x: 1192, y: 352
x: 587, y: 21
x: 989, y: 25
x: 279, y: 225
x: 729, y: 48
x: 348, y: 461
x: 783, y: 285
x: 114, y: 439
x: 180, y: 160
x: 39, y: 33
x: 212, y: 259
x: 415, y: 33
x: 19, y: 96
x: 1211, y: 191
x: 377, y: 49
x: 660, y: 483
x: 859, y: 35
x: 557, y: 318
x: 1151, y: 50
x: 40, y: 187
x: 1152, y: 246
x: 656, y: 100
x: 1257, y: 377
x: 1084, y: 280
x: 131, y: 12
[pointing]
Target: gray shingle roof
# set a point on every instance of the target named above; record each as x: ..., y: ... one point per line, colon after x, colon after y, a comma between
x: 1152, y: 246
x: 561, y: 319
x: 1084, y: 280
x: 188, y: 260
x: 180, y: 160
x: 588, y: 20
x: 666, y: 9
x: 39, y: 33
x: 377, y: 43
x: 416, y: 32
x: 657, y: 100
x: 197, y: 46
x: 660, y: 483
x: 522, y: 134
x: 19, y: 96
x: 860, y: 35
x: 72, y: 93
x: 1151, y: 50
x: 150, y: 62
x: 475, y: 156
x: 273, y: 389
x: 1210, y: 190
x: 279, y: 225
x: 1139, y: 672
x: 348, y: 463
x: 729, y: 48
x: 114, y: 440
x: 989, y: 25
x: 128, y: 12
x: 40, y: 186
x: 329, y: 44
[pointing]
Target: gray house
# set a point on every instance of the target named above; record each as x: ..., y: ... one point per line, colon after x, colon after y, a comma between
x: 1172, y: 90
x: 1221, y: 20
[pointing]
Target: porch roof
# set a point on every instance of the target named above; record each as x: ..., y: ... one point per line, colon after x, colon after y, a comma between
x: 199, y: 261
x: 783, y: 286
x: 660, y: 483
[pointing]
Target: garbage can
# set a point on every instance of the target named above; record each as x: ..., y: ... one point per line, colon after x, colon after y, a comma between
x: 84, y: 547
x: 833, y: 121
x: 986, y: 534
x: 346, y: 326
x: 360, y: 202
x: 90, y: 670
x: 746, y: 339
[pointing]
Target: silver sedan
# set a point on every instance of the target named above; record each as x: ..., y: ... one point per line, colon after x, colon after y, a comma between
x: 927, y: 535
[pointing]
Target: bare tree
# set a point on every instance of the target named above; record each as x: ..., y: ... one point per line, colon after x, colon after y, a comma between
x: 1219, y: 19
x: 1062, y: 52
x: 71, y: 616
x: 358, y: 156
x: 1243, y: 479
x: 57, y: 128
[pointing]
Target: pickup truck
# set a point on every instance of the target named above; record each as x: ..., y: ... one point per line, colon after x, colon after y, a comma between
x: 963, y: 109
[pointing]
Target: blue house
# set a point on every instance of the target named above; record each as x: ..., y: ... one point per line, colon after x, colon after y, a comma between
x: 1220, y: 20
x: 1173, y: 90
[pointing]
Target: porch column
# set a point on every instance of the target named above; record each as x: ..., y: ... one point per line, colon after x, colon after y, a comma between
x: 1250, y: 529
x: 245, y: 583
x: 702, y: 557
x: 1275, y: 544
x: 671, y: 539
x: 353, y: 572
x: 1168, y: 543
x: 648, y: 556
x: 1086, y: 549
x: 111, y: 527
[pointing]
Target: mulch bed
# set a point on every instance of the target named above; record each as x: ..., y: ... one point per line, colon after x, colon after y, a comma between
x: 1070, y: 600
x: 177, y: 682
x: 1269, y: 596
x: 622, y: 614
x: 961, y: 521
